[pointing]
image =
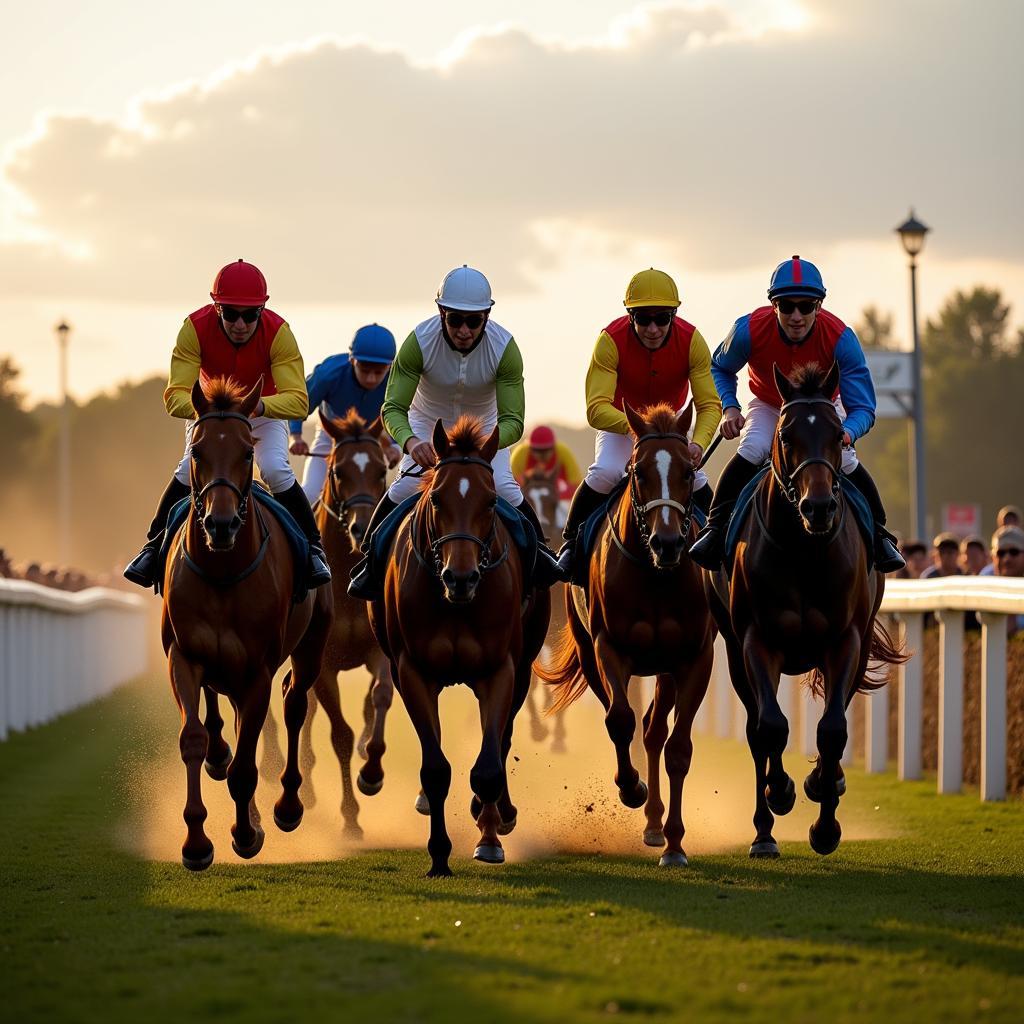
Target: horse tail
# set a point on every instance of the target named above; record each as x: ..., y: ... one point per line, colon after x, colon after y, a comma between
x: 564, y: 672
x: 884, y: 651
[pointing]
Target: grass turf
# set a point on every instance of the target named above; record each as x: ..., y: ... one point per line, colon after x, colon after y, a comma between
x: 926, y: 925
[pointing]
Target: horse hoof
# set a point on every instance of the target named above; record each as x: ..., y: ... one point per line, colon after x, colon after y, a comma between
x: 784, y: 804
x: 654, y: 837
x: 824, y: 841
x: 489, y: 854
x: 286, y: 825
x: 250, y: 851
x: 637, y: 798
x: 423, y: 807
x: 764, y: 849
x: 369, y: 788
x: 673, y: 859
x: 440, y: 871
x: 218, y: 770
x: 197, y: 863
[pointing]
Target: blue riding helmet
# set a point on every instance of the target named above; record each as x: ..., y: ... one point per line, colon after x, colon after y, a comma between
x: 796, y: 277
x: 373, y: 344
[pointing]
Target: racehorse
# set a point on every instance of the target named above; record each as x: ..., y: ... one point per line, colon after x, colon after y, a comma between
x: 355, y: 482
x: 540, y: 487
x: 229, y: 622
x: 456, y: 609
x: 801, y: 597
x: 647, y: 616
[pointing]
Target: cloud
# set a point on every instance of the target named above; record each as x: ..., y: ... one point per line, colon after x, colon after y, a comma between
x: 353, y: 175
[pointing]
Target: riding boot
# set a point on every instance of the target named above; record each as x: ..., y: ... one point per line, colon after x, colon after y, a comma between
x: 142, y: 568
x: 318, y: 572
x: 702, y: 498
x: 584, y: 502
x: 709, y: 547
x: 546, y: 570
x: 887, y: 557
x: 364, y: 582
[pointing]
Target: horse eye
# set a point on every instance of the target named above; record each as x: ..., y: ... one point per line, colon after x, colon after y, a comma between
x: 248, y: 455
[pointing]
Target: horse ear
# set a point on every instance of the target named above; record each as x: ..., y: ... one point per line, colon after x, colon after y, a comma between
x: 330, y: 426
x: 252, y: 399
x: 440, y: 440
x: 490, y: 448
x: 782, y: 383
x: 199, y: 402
x: 683, y: 418
x: 634, y: 419
x: 375, y: 428
x: 831, y: 380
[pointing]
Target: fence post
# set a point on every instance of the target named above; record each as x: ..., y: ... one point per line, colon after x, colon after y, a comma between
x: 993, y: 705
x: 876, y: 730
x: 951, y: 700
x: 911, y: 677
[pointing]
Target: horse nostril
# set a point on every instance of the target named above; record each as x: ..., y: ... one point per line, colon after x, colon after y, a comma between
x: 473, y: 579
x: 807, y: 508
x: 236, y: 524
x: 657, y: 546
x: 833, y: 506
x: 448, y: 579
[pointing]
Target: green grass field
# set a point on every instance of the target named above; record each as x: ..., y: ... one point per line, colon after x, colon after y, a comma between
x: 924, y: 924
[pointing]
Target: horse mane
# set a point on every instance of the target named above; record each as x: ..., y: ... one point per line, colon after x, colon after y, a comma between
x: 225, y: 394
x: 467, y: 437
x: 809, y: 379
x: 660, y: 418
x: 351, y: 424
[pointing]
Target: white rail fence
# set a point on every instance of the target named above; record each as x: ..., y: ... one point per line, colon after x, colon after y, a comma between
x: 60, y: 650
x: 908, y: 601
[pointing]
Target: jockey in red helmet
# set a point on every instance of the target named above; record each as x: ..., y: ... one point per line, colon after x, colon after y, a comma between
x: 543, y: 449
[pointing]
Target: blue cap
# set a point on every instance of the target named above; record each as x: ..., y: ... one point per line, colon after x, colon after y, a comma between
x: 373, y: 344
x: 796, y: 277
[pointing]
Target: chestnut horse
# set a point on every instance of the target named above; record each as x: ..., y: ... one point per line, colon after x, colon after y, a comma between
x: 355, y: 482
x: 456, y: 610
x: 647, y: 616
x: 229, y: 622
x: 801, y: 597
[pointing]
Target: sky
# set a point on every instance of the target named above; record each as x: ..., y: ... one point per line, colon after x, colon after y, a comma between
x: 357, y: 152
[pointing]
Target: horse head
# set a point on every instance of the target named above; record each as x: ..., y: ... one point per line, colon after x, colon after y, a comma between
x: 808, y: 445
x: 356, y: 473
x: 459, y: 506
x: 221, y: 456
x: 660, y: 474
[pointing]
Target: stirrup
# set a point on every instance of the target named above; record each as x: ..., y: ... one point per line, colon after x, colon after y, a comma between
x: 362, y: 585
x: 887, y: 556
x: 142, y: 568
x: 319, y: 570
x: 706, y: 550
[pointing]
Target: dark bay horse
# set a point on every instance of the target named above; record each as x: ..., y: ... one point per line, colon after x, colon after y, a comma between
x: 229, y: 622
x: 647, y: 616
x: 800, y: 597
x: 456, y: 610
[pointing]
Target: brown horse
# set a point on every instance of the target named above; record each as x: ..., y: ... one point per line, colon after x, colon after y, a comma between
x: 455, y: 610
x: 355, y: 482
x: 647, y: 616
x: 540, y: 488
x: 229, y: 622
x: 801, y: 597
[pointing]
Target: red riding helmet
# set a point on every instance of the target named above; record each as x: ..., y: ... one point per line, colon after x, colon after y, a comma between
x: 542, y: 437
x: 239, y: 284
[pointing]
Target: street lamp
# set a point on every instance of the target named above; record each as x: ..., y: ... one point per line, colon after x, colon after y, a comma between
x: 912, y: 233
x: 64, y: 454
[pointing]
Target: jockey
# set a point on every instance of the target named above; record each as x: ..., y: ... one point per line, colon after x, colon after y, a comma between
x: 349, y: 380
x: 650, y: 355
x: 793, y: 330
x: 551, y: 456
x: 460, y: 361
x: 237, y: 336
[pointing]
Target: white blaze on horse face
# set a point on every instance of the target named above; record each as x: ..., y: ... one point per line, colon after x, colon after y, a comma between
x: 361, y: 459
x: 811, y: 419
x: 464, y: 486
x: 537, y: 495
x: 663, y: 459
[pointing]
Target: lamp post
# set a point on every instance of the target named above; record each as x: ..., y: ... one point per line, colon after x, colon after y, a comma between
x: 64, y: 453
x: 912, y: 233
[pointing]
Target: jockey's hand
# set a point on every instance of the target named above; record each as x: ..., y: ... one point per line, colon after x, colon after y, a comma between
x: 847, y: 440
x: 421, y: 452
x: 298, y: 446
x: 392, y: 455
x: 695, y: 453
x: 732, y: 423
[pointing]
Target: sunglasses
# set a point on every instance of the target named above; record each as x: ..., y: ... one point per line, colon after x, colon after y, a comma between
x: 662, y: 319
x: 249, y: 315
x: 787, y: 306
x: 1007, y: 552
x: 471, y: 320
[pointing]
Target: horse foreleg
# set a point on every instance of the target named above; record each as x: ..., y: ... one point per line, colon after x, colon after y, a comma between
x: 307, y: 755
x: 342, y: 737
x: 247, y: 834
x: 655, y: 734
x: 487, y: 776
x: 364, y: 736
x: 382, y: 693
x: 218, y: 752
x: 619, y: 720
x: 843, y: 670
x: 197, y: 850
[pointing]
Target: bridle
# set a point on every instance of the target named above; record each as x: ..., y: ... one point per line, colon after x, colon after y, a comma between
x: 485, y: 562
x: 787, y: 480
x: 336, y: 506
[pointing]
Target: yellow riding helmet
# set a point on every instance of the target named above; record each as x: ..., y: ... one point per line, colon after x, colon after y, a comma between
x: 651, y: 288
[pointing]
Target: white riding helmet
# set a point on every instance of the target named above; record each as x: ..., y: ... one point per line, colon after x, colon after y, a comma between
x: 465, y: 289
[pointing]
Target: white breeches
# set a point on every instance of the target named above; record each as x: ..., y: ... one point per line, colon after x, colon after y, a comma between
x: 271, y: 443
x: 504, y: 481
x: 315, y: 473
x: 611, y: 453
x: 759, y: 430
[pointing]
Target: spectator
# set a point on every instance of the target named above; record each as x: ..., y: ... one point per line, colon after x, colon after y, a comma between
x: 1009, y: 515
x: 915, y: 554
x: 1008, y: 560
x: 945, y: 554
x: 6, y: 568
x: 973, y: 555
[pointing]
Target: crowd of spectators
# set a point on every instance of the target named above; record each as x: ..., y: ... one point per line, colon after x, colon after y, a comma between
x: 44, y: 575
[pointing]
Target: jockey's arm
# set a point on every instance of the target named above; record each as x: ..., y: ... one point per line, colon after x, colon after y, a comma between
x: 705, y: 396
x: 184, y: 372
x: 567, y: 460
x: 510, y: 393
x: 730, y: 357
x: 602, y: 379
x: 318, y: 383
x: 856, y: 388
x: 289, y: 378
x: 402, y: 383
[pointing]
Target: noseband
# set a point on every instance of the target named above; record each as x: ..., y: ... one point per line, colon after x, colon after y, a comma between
x: 640, y: 509
x: 242, y: 493
x: 786, y: 480
x: 342, y: 505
